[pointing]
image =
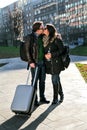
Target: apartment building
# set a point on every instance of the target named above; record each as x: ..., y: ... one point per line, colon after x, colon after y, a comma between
x: 76, y: 18
x: 45, y: 11
x: 68, y: 16
x: 28, y: 16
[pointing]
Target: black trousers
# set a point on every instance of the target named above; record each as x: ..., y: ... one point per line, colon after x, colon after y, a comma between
x: 41, y: 76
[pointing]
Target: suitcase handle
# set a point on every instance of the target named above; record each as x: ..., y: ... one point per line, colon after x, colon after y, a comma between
x: 34, y: 76
x: 28, y: 76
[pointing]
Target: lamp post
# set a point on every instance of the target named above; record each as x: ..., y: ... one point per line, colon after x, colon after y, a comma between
x: 67, y: 33
x: 67, y: 22
x: 56, y: 18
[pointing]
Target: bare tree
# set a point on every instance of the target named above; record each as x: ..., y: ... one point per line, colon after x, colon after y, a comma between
x: 16, y: 24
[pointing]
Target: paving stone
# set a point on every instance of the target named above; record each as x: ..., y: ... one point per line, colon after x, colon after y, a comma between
x: 69, y: 115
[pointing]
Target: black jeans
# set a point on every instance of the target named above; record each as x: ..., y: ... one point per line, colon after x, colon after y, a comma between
x: 41, y: 76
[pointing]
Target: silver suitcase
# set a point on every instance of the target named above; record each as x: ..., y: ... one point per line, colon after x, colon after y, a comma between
x: 24, y: 98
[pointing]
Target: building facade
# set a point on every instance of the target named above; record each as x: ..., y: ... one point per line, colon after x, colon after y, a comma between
x: 76, y: 20
x: 68, y: 16
x: 28, y: 17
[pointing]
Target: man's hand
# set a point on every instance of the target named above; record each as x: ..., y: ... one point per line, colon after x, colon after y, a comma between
x: 32, y: 65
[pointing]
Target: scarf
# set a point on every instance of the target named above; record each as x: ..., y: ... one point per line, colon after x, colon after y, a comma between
x: 46, y: 40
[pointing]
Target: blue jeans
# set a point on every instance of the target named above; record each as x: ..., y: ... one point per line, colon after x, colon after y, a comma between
x: 55, y: 79
x: 41, y: 76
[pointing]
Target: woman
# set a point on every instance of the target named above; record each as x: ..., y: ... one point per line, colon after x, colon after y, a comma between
x: 53, y: 49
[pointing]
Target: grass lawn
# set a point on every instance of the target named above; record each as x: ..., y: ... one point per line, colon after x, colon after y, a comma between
x: 9, y: 52
x: 80, y: 50
x: 83, y: 70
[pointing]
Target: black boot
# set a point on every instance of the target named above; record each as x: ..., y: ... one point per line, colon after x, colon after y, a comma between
x: 61, y: 92
x: 36, y: 101
x: 55, y: 94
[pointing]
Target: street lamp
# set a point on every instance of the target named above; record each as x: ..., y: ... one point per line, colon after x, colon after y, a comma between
x: 67, y: 22
x: 67, y: 27
x: 57, y: 17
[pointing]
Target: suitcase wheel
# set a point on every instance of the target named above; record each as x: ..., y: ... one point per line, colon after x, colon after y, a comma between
x: 16, y: 113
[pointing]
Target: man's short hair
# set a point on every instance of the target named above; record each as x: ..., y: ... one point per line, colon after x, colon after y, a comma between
x: 36, y: 25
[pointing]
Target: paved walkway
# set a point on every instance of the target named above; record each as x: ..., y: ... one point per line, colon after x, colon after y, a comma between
x: 69, y: 115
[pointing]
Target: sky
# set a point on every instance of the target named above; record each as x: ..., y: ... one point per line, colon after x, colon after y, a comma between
x: 4, y: 3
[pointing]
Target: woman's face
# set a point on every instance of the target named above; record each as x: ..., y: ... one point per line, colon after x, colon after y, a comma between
x: 46, y: 32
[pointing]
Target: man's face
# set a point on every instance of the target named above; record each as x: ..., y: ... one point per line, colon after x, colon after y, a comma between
x: 41, y: 29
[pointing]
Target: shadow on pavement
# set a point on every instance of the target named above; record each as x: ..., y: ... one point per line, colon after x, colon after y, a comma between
x: 41, y: 118
x: 17, y: 121
x: 14, y: 123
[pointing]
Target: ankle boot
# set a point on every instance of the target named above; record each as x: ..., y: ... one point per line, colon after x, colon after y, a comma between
x: 61, y: 93
x: 55, y: 94
x: 61, y: 98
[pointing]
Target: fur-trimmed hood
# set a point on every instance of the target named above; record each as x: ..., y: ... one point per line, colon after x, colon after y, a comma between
x: 46, y: 40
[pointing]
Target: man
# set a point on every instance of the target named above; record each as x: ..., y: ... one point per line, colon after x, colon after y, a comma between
x: 35, y: 55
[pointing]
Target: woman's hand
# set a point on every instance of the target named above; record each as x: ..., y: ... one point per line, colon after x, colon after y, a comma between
x: 48, y: 56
